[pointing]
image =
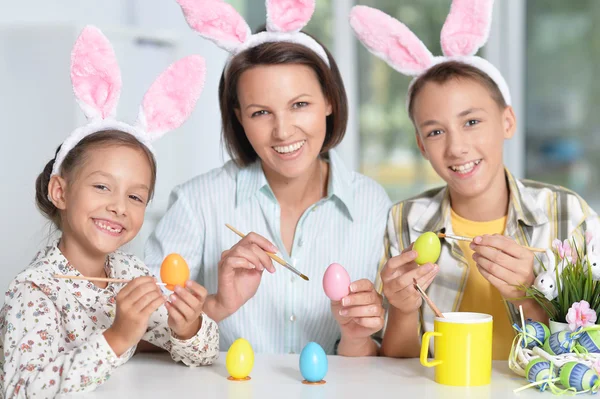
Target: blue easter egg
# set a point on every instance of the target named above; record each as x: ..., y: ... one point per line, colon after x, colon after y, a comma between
x: 538, y: 370
x: 578, y: 376
x: 537, y: 330
x: 590, y: 340
x: 313, y: 362
x: 559, y: 343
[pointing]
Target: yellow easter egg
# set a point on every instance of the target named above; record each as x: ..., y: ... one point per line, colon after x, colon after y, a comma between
x: 428, y: 248
x: 240, y: 359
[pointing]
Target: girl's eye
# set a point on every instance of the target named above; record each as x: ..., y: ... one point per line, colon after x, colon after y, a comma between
x: 300, y: 104
x: 259, y: 113
x: 434, y: 133
x: 101, y: 187
x: 472, y: 122
x: 136, y: 198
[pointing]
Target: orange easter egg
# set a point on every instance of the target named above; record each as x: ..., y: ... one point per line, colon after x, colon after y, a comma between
x: 174, y: 271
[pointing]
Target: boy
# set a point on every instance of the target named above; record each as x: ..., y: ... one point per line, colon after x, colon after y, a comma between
x: 460, y: 107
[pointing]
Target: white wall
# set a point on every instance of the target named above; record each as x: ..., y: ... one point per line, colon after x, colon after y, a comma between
x: 38, y: 111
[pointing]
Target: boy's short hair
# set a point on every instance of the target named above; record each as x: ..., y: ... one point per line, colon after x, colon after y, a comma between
x: 449, y: 70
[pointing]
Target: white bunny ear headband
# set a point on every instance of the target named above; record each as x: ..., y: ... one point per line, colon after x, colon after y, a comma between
x: 219, y: 22
x: 96, y: 79
x: 466, y: 29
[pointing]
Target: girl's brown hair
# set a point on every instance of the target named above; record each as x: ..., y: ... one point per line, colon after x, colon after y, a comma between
x: 76, y: 157
x: 278, y: 53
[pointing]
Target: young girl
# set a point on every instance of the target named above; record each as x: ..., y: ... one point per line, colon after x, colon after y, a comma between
x: 283, y: 109
x: 61, y: 335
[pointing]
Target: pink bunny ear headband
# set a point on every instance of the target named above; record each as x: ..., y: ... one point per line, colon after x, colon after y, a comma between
x: 219, y: 22
x: 96, y: 79
x: 466, y: 29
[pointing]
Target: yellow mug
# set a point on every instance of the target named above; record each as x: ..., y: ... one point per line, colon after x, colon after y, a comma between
x: 462, y: 349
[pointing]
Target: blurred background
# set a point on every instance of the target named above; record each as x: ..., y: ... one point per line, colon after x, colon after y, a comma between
x: 548, y: 50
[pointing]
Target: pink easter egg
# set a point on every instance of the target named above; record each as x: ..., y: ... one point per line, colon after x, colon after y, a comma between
x: 336, y: 282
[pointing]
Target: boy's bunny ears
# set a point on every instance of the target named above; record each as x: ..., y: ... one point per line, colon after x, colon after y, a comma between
x: 96, y: 82
x: 466, y: 29
x: 219, y: 22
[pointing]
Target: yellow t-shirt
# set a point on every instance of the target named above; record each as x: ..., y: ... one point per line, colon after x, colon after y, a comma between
x: 480, y: 295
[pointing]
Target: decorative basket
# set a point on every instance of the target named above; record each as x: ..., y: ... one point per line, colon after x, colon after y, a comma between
x: 565, y: 362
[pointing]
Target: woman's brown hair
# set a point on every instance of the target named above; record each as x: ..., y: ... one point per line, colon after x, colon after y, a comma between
x: 278, y: 53
x: 76, y: 157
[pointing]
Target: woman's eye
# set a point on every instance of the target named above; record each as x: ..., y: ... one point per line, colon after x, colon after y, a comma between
x: 259, y: 113
x: 434, y: 133
x: 300, y: 104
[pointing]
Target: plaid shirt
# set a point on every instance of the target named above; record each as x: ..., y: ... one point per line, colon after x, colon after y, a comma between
x: 537, y: 214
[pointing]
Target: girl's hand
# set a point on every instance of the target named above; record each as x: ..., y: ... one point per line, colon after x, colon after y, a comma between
x: 135, y: 303
x: 185, y: 309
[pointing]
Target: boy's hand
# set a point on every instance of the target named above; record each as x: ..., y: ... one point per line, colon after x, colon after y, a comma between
x: 397, y: 277
x: 504, y: 263
x: 185, y: 309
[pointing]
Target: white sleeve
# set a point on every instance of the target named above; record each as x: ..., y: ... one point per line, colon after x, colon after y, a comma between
x: 200, y: 350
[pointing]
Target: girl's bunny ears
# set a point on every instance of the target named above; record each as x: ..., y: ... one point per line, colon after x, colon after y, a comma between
x: 219, y: 22
x: 466, y: 29
x: 96, y: 82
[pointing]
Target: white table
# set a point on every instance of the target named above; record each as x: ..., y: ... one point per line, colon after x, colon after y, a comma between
x: 278, y: 376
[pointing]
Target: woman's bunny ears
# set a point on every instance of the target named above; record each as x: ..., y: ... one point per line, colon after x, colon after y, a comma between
x: 96, y: 79
x: 466, y: 29
x: 219, y: 22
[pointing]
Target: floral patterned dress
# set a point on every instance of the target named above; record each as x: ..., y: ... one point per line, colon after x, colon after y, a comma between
x: 51, y: 330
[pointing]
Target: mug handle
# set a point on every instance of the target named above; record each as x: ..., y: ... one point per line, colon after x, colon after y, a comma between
x: 425, y: 349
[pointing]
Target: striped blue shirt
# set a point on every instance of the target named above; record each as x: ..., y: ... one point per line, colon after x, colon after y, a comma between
x: 347, y: 227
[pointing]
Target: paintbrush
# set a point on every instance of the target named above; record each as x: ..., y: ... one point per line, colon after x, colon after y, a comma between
x: 426, y: 298
x: 103, y: 279
x: 469, y: 239
x: 272, y: 255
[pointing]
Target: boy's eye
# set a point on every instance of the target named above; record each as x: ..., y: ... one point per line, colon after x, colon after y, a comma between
x: 259, y: 113
x: 300, y: 104
x: 472, y: 122
x: 434, y: 133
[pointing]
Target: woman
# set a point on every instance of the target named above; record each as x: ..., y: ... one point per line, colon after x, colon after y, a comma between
x: 283, y: 110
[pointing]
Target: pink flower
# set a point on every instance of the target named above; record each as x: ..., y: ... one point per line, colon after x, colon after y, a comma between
x: 563, y: 248
x: 580, y: 315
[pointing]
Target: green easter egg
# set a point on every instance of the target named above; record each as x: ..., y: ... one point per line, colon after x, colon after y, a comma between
x: 428, y: 248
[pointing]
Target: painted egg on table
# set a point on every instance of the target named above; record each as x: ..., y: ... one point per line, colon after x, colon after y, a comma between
x: 428, y: 248
x: 538, y: 370
x: 559, y: 343
x: 590, y: 340
x: 336, y: 282
x: 240, y: 359
x: 536, y: 334
x: 578, y: 376
x: 174, y: 271
x: 313, y: 362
